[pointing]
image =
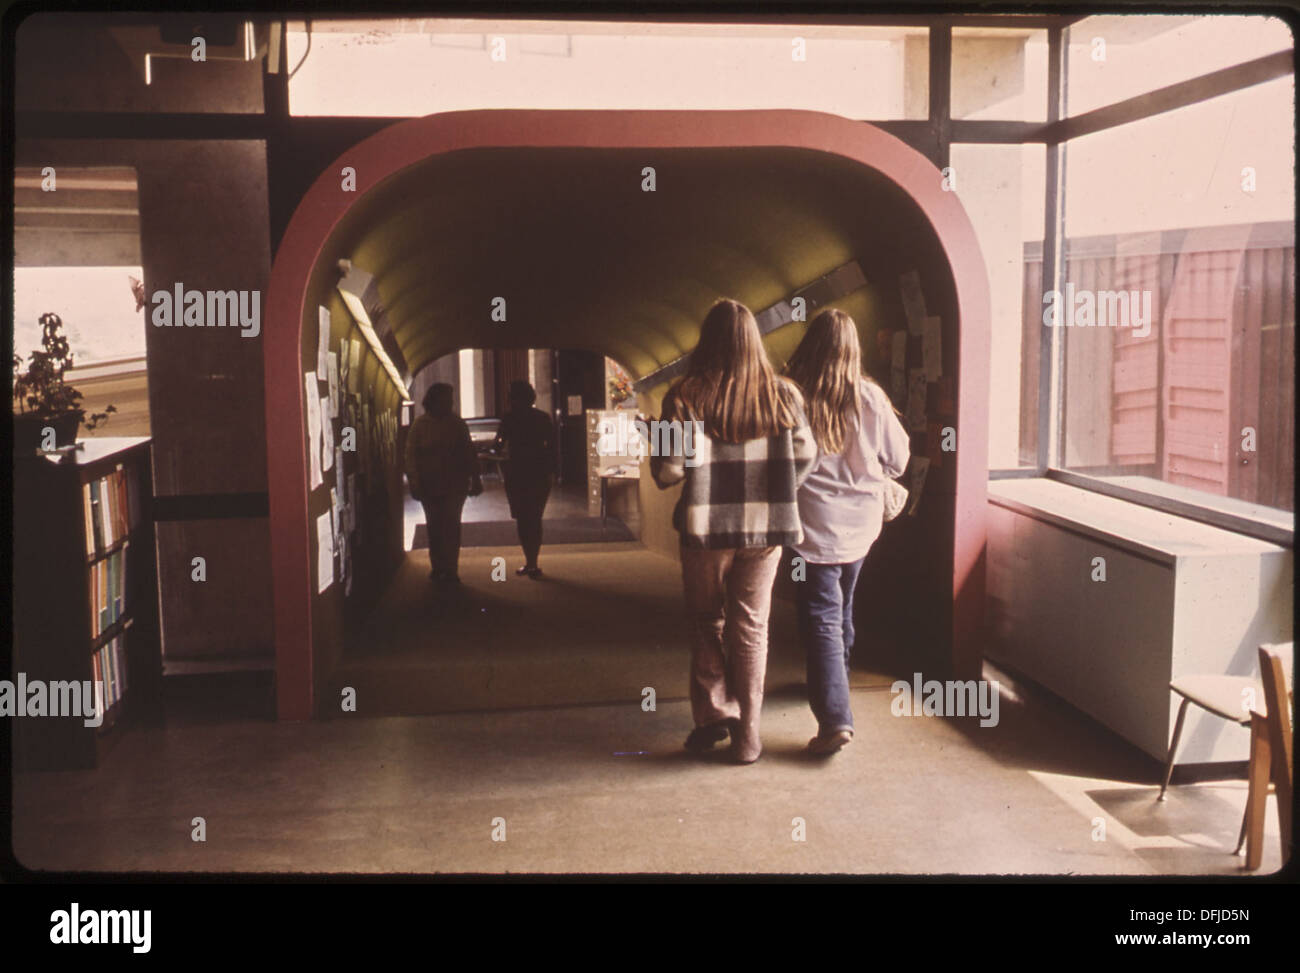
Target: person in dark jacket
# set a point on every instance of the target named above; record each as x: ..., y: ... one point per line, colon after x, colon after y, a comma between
x: 442, y: 469
x: 528, y: 437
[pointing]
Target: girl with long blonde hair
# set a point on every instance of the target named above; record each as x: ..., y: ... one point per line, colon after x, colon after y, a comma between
x: 860, y: 444
x: 746, y: 446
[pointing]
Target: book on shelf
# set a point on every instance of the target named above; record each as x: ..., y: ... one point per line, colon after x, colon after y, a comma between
x: 110, y: 667
x: 87, y: 509
x: 112, y: 507
x: 107, y: 591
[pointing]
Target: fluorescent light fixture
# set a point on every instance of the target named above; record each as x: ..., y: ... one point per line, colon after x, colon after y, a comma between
x: 352, y: 287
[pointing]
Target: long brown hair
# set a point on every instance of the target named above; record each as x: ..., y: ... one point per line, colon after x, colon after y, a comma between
x: 730, y: 385
x: 827, y: 367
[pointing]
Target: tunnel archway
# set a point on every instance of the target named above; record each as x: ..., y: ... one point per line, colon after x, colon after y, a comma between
x: 331, y: 221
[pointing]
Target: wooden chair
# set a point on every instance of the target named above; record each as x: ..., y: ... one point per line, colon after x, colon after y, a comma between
x: 1270, y: 753
x: 1244, y: 701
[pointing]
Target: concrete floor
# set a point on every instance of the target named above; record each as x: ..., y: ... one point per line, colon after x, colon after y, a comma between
x: 490, y: 506
x: 556, y: 744
x: 605, y: 622
x: 607, y: 788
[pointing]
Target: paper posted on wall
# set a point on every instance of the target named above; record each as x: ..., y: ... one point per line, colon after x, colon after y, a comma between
x: 909, y: 286
x: 932, y: 348
x: 916, y: 394
x: 898, y: 356
x: 313, y: 429
x: 332, y: 372
x: 322, y: 342
x: 345, y: 563
x: 327, y: 436
x: 352, y: 502
x: 324, y: 552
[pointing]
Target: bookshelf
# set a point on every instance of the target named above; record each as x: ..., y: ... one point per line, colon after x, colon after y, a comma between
x: 85, y: 594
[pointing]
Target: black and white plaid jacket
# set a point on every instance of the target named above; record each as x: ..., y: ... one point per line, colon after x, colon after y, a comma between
x: 738, y: 494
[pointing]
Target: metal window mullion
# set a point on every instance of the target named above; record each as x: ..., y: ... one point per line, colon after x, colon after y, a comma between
x: 1050, y: 347
x: 940, y: 82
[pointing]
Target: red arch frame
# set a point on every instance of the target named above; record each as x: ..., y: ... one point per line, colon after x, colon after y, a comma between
x: 408, y: 142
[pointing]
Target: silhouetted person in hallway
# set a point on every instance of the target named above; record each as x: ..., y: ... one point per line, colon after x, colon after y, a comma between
x: 442, y: 468
x: 528, y: 436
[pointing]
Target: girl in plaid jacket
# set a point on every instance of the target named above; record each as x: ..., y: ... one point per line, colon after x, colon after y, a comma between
x: 745, y: 447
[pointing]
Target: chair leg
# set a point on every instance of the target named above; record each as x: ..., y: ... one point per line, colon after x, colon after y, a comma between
x: 1257, y: 793
x: 1282, y: 786
x: 1173, y: 747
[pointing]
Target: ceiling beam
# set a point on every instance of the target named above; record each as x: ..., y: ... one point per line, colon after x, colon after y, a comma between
x: 828, y: 288
x: 1173, y: 96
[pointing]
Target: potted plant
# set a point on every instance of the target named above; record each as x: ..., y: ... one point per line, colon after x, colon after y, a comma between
x: 41, y: 397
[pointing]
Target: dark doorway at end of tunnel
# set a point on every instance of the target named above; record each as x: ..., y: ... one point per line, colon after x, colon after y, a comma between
x: 575, y: 388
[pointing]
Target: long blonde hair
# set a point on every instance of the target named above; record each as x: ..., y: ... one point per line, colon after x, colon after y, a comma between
x: 730, y: 384
x: 827, y: 366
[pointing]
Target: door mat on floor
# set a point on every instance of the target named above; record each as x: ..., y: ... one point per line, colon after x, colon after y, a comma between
x: 562, y: 530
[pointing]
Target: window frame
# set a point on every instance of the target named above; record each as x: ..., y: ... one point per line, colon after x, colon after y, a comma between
x: 933, y: 137
x: 1057, y: 132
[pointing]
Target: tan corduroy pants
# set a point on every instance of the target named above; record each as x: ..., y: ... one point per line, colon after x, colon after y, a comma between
x: 728, y: 599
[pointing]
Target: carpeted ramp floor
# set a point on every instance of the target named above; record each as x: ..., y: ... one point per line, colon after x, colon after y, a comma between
x: 561, y: 530
x: 604, y: 623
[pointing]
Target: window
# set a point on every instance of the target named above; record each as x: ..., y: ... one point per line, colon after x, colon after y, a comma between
x: 97, y: 305
x: 77, y: 255
x: 1118, y: 56
x: 1178, y: 311
x: 417, y: 67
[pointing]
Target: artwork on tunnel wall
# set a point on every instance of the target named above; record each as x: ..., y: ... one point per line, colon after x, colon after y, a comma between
x: 324, y: 553
x: 932, y: 348
x: 918, y: 386
x: 313, y: 429
x: 323, y: 340
x: 909, y: 285
x: 369, y: 435
x: 898, y: 367
x: 332, y: 374
x: 916, y: 393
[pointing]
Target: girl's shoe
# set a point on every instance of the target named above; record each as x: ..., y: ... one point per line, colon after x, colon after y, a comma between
x: 534, y: 573
x: 830, y: 743
x: 703, y: 738
x: 523, y: 570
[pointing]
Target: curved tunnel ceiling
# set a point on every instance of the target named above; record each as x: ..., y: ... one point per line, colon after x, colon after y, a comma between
x: 586, y: 260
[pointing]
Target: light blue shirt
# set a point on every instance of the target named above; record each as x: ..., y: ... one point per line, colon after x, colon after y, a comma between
x: 840, y: 503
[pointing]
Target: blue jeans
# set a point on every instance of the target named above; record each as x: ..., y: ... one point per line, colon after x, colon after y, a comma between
x: 825, y: 600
